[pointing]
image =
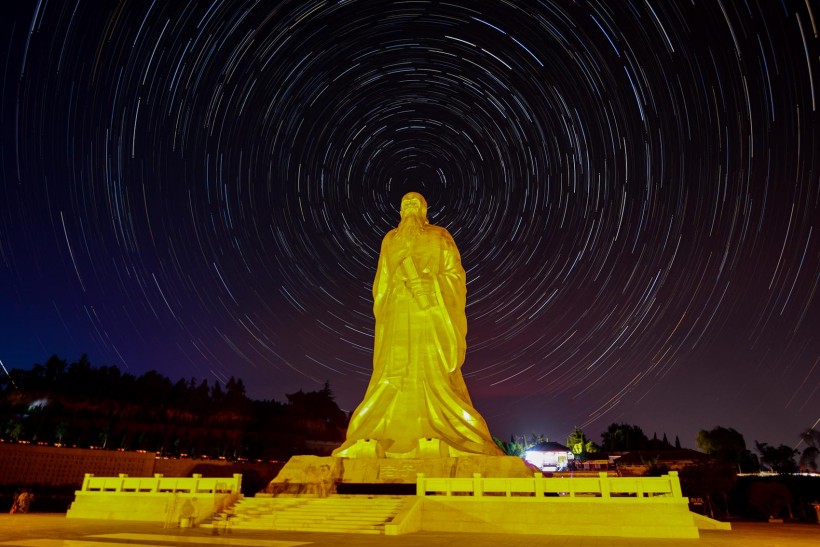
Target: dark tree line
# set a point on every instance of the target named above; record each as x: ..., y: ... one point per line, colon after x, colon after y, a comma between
x: 81, y: 405
x: 628, y: 437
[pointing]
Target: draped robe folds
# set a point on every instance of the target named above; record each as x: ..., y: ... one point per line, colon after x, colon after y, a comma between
x: 417, y: 391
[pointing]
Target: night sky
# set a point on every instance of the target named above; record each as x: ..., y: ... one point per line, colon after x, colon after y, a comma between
x: 201, y: 188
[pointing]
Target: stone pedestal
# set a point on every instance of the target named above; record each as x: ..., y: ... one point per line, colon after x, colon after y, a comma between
x: 318, y: 476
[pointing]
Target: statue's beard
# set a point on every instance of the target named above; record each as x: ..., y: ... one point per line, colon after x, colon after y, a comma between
x: 410, y: 227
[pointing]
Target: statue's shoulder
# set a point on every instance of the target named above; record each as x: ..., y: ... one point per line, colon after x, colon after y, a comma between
x: 388, y: 237
x: 440, y: 232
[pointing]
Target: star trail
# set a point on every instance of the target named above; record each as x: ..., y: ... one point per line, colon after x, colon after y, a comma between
x: 201, y: 188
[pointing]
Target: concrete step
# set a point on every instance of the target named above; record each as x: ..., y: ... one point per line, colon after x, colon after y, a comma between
x: 349, y: 514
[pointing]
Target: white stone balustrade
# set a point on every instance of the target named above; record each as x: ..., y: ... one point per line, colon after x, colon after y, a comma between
x: 601, y: 487
x: 160, y: 484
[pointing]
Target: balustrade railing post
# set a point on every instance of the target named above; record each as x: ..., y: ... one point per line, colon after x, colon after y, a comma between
x: 604, y: 480
x: 86, y: 479
x: 478, y: 485
x: 539, y: 484
x: 420, y: 489
x: 674, y: 484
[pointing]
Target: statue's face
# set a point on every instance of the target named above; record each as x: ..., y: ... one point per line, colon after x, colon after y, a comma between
x: 410, y: 206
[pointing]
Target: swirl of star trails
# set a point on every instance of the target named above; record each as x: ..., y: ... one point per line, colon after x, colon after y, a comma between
x: 632, y: 186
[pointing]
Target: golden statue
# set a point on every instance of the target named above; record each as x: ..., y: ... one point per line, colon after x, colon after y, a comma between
x: 417, y: 405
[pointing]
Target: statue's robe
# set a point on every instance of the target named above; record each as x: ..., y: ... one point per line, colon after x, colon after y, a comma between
x: 417, y: 391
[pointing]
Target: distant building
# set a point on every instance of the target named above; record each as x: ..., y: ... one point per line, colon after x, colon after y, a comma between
x: 595, y: 462
x: 549, y: 456
x: 638, y: 462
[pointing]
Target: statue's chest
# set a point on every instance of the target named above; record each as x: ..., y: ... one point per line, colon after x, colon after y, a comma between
x: 424, y: 250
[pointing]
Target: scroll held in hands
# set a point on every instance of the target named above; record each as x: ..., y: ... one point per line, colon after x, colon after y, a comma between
x: 414, y: 282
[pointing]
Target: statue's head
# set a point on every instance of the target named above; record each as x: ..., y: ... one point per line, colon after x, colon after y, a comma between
x: 414, y: 202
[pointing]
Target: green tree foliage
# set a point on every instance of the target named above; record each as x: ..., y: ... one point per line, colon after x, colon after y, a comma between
x: 500, y: 444
x: 512, y: 448
x: 60, y: 430
x: 580, y: 445
x: 727, y: 446
x: 519, y: 444
x: 624, y: 438
x: 576, y: 441
x: 13, y: 429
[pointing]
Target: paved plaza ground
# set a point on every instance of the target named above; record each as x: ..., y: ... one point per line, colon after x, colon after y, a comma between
x: 55, y: 530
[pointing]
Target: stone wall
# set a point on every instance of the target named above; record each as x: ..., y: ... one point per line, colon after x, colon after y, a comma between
x: 22, y: 464
x: 61, y: 467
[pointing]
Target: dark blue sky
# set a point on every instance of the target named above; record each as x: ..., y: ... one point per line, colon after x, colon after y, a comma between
x: 201, y: 188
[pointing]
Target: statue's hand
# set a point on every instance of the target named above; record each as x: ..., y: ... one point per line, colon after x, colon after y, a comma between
x: 422, y: 286
x: 423, y: 291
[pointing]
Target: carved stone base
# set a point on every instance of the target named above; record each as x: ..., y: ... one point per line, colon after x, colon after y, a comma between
x: 318, y: 476
x: 310, y: 476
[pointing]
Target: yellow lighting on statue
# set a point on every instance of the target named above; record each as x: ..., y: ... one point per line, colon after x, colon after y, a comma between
x: 417, y: 405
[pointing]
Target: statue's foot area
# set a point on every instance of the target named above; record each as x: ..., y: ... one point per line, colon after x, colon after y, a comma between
x: 387, y: 448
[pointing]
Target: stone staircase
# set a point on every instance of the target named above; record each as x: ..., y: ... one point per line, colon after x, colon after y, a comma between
x: 338, y: 513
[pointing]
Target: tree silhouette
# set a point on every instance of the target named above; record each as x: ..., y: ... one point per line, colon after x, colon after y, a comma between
x: 727, y: 446
x: 81, y: 405
x: 778, y: 459
x: 808, y: 460
x: 624, y: 438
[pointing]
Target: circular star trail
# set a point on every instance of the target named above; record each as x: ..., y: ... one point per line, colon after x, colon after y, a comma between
x: 201, y: 188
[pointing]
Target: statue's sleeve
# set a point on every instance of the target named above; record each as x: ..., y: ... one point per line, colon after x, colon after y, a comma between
x: 382, y: 281
x: 453, y: 286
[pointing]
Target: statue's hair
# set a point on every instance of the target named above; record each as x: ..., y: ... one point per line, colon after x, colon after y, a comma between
x: 422, y: 201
